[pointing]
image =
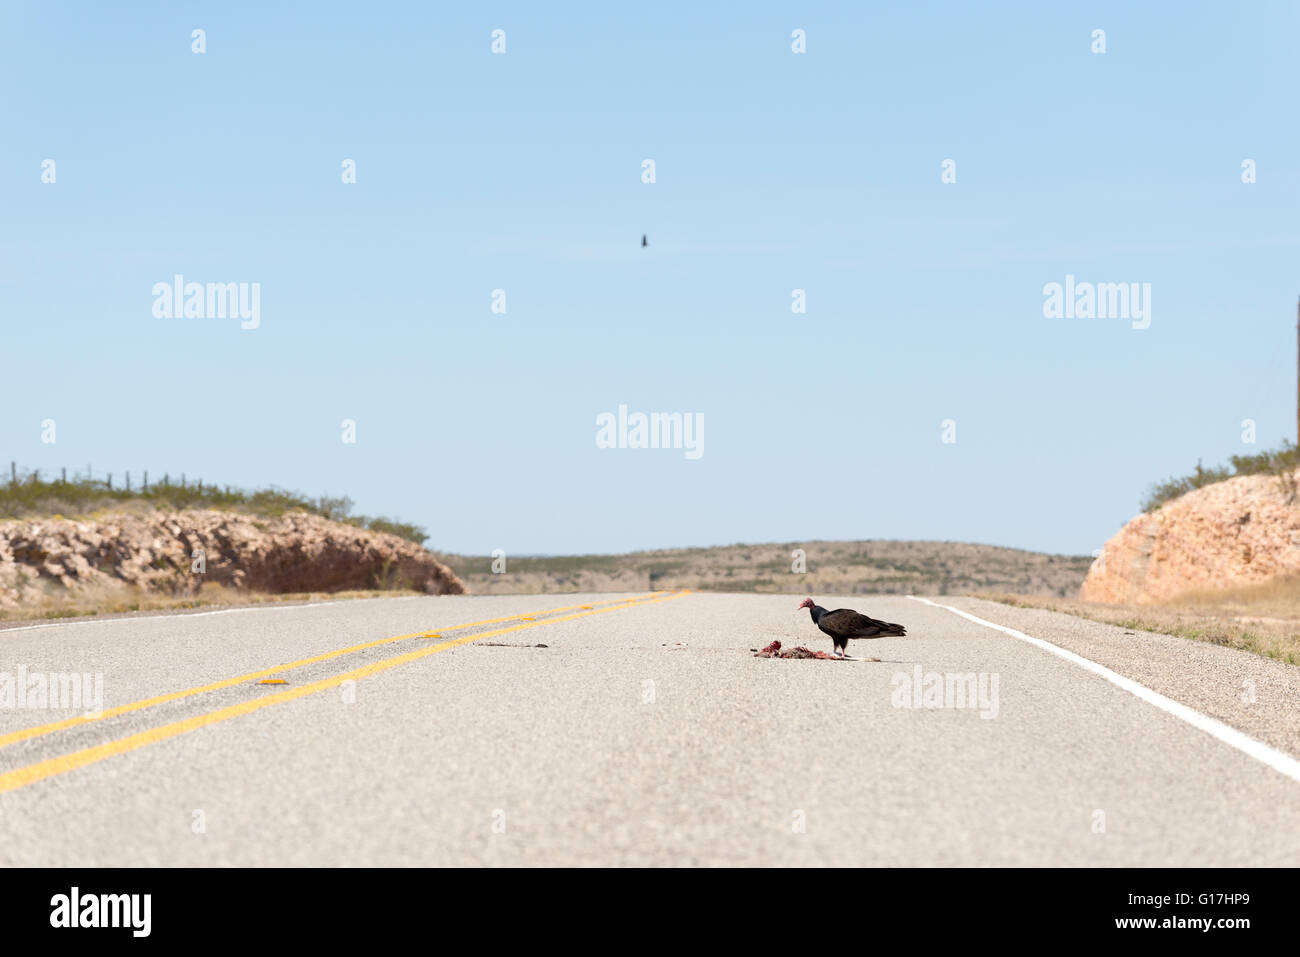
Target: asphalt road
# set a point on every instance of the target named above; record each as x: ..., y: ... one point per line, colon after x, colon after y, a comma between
x: 645, y: 732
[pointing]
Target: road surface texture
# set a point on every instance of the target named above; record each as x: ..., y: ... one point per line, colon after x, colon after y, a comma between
x: 645, y: 732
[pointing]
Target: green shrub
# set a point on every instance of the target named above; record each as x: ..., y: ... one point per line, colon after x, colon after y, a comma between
x: 1279, y: 462
x: 32, y: 495
x: 412, y: 533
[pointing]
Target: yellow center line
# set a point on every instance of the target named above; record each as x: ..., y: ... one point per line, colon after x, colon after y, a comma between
x: 26, y: 733
x: 21, y: 777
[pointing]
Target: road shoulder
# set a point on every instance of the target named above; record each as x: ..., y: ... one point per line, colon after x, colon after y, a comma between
x: 1254, y: 694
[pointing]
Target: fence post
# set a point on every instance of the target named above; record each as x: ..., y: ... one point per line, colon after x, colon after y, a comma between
x: 110, y: 481
x: 65, y: 475
x: 146, y: 480
x: 128, y: 481
x: 13, y: 473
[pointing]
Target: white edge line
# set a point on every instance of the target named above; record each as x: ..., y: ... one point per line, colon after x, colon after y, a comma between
x: 1277, y: 760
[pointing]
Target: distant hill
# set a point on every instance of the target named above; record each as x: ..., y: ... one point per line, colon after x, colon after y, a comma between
x: 840, y: 568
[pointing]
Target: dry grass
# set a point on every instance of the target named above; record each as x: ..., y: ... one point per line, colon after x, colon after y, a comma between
x: 1263, y: 619
x: 124, y: 600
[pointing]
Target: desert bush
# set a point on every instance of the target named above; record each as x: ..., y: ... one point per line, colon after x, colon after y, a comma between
x: 1281, y: 462
x: 31, y: 495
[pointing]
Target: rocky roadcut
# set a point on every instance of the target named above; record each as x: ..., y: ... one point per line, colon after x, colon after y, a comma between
x: 178, y: 552
x: 1244, y: 531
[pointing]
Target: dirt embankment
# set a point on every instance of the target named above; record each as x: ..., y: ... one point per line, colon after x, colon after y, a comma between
x: 1241, y: 532
x: 177, y: 552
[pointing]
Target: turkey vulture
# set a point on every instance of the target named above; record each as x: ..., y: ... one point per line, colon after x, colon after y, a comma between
x: 845, y: 623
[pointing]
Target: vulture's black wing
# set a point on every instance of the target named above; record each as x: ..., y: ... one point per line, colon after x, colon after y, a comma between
x: 847, y: 623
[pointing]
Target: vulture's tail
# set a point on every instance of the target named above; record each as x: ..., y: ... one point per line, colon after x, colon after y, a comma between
x: 894, y: 630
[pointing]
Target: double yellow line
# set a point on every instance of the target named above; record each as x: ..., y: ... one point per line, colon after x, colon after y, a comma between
x: 21, y: 777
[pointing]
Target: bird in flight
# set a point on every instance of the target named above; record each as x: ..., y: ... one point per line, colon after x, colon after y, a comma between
x: 643, y: 241
x: 845, y: 623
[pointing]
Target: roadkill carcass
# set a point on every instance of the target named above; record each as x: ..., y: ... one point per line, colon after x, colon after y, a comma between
x: 774, y: 650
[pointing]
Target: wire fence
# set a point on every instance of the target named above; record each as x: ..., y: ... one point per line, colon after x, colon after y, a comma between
x: 89, y: 476
x: 54, y: 491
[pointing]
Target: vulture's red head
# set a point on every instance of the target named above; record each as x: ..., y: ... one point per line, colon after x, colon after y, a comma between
x: 808, y: 603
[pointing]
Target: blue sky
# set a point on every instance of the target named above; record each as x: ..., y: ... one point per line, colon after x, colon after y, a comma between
x: 774, y: 171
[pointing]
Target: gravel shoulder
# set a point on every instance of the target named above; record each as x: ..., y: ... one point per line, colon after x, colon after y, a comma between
x: 1254, y: 694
